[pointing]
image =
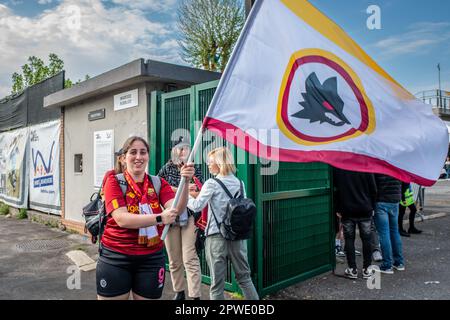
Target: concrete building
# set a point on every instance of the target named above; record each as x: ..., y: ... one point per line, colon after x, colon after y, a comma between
x: 99, y: 114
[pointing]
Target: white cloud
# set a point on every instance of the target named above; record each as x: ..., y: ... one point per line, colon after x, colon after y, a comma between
x: 5, y: 89
x: 15, y: 2
x: 420, y: 38
x: 89, y: 37
x: 147, y: 4
x: 44, y: 1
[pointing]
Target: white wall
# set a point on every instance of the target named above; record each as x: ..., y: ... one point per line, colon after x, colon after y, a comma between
x: 79, y: 138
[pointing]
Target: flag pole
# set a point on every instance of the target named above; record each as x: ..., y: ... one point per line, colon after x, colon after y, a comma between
x: 252, y: 4
x: 197, y: 142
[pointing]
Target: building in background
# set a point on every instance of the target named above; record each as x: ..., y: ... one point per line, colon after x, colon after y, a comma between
x: 29, y: 148
x: 99, y: 114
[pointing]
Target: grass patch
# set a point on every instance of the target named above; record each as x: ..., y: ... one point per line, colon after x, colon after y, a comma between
x: 80, y: 247
x: 22, y: 214
x: 4, y: 209
x: 51, y: 224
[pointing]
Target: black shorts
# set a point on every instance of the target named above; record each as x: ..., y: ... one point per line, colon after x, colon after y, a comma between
x: 118, y: 274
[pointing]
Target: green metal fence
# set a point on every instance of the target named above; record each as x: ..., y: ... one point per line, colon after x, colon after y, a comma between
x: 294, y: 235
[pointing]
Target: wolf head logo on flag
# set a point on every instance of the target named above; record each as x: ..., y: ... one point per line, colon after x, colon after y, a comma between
x: 320, y: 102
x: 297, y: 73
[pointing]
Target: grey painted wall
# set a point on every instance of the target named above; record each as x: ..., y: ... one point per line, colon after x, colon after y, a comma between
x: 79, y: 138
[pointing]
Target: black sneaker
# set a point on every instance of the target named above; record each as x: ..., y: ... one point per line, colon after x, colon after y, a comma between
x: 351, y: 273
x: 179, y: 296
x: 414, y: 231
x: 400, y: 267
x: 403, y: 233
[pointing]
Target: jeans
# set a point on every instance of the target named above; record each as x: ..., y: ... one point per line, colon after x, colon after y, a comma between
x: 386, y: 221
x: 217, y: 249
x: 374, y: 240
x: 365, y: 233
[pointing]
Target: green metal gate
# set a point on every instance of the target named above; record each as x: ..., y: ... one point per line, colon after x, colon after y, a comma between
x: 170, y: 115
x: 294, y: 235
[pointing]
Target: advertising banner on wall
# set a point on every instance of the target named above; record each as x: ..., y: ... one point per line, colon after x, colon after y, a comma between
x: 103, y: 155
x: 44, y: 167
x: 13, y: 169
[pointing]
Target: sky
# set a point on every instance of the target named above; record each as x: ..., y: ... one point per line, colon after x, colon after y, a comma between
x: 94, y: 36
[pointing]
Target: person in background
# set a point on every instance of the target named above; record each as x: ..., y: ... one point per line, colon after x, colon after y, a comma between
x: 217, y: 248
x: 339, y: 241
x: 180, y: 241
x: 386, y: 222
x: 447, y: 167
x: 355, y: 202
x: 407, y: 202
x: 375, y: 242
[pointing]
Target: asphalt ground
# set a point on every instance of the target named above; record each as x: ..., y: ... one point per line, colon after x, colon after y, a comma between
x: 427, y: 258
x: 34, y: 265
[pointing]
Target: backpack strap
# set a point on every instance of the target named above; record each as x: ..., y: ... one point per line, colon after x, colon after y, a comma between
x: 122, y: 183
x: 215, y: 218
x: 223, y: 187
x: 241, y: 189
x: 156, y: 181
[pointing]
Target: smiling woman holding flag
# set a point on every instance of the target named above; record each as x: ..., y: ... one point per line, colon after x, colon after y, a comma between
x: 131, y: 259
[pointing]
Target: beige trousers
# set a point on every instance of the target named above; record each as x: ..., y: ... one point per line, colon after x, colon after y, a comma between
x: 180, y: 247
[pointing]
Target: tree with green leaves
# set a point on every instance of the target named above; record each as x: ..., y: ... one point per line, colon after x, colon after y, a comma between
x: 209, y: 30
x: 36, y: 71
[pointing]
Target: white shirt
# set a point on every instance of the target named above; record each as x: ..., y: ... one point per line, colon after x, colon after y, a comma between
x: 213, y: 195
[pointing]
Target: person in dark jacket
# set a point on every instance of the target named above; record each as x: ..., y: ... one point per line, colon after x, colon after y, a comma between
x: 386, y: 221
x: 355, y: 201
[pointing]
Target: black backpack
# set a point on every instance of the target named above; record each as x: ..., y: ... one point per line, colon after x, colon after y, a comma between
x: 239, y: 217
x: 95, y: 212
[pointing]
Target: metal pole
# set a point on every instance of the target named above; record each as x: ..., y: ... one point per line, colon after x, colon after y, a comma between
x: 440, y: 93
x: 248, y: 6
x: 183, y: 180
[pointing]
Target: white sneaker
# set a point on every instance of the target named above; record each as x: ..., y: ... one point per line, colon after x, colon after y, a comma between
x: 400, y: 267
x: 338, y: 251
x: 385, y: 271
x: 351, y: 273
x: 367, y: 273
x: 376, y: 256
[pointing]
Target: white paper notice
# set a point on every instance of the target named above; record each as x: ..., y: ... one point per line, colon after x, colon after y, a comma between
x: 103, y: 154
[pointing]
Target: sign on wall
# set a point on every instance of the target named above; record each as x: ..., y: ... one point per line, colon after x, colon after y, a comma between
x: 126, y: 100
x: 45, y: 167
x: 103, y: 155
x: 13, y: 169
